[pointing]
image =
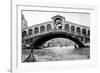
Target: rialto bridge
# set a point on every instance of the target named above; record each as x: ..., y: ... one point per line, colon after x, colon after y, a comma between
x: 36, y: 35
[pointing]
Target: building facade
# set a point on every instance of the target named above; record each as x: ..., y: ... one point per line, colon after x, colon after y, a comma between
x: 24, y: 22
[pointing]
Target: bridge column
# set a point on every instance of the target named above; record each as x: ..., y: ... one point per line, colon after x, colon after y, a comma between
x: 63, y: 25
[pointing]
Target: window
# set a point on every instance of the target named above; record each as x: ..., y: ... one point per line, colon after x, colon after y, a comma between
x: 58, y: 20
x: 78, y: 30
x: 36, y: 30
x: 30, y: 32
x: 24, y: 34
x: 84, y: 32
x: 72, y: 28
x: 66, y: 27
x: 59, y: 26
x: 42, y: 28
x: 49, y: 27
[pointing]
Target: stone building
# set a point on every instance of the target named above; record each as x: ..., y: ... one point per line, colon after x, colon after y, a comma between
x: 58, y: 42
x: 24, y: 22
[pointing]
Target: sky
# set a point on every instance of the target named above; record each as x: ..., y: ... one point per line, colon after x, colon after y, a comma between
x: 37, y: 17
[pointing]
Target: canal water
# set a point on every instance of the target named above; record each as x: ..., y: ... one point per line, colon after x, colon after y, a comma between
x: 58, y: 54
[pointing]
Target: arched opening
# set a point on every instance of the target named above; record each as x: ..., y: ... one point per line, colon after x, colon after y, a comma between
x: 30, y: 32
x: 49, y: 27
x: 59, y: 26
x: 57, y: 20
x: 66, y: 27
x: 24, y: 34
x: 58, y: 23
x: 36, y: 30
x: 58, y: 42
x: 44, y: 38
x: 72, y: 29
x: 84, y: 32
x: 78, y: 30
x: 88, y: 32
x: 42, y: 29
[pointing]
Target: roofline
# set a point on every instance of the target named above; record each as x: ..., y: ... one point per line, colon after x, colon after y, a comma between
x: 37, y: 24
x: 51, y: 21
x: 78, y: 24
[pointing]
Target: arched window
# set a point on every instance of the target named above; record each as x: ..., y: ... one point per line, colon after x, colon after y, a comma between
x: 49, y: 27
x: 66, y: 27
x: 24, y: 34
x: 88, y: 32
x: 30, y: 32
x: 78, y: 30
x: 36, y: 30
x: 84, y: 32
x: 42, y: 28
x: 58, y: 26
x: 58, y: 20
x: 72, y: 29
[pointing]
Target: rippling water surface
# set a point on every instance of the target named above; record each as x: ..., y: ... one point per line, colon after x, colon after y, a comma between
x: 58, y: 54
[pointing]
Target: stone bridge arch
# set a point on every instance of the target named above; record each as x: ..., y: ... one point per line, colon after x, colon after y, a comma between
x: 58, y: 27
x: 41, y: 39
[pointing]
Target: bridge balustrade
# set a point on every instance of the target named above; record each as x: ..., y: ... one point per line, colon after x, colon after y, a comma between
x: 57, y: 30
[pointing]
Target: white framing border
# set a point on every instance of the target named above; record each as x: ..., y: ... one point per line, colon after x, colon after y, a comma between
x: 51, y: 65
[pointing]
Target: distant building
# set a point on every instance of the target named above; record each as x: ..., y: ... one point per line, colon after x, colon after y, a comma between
x: 24, y: 25
x: 24, y: 22
x: 58, y: 42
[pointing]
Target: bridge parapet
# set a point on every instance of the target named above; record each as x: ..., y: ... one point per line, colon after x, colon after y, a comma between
x: 31, y: 32
x: 56, y: 31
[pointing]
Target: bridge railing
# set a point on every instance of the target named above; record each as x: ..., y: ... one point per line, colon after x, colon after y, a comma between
x: 56, y: 30
x: 40, y: 33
